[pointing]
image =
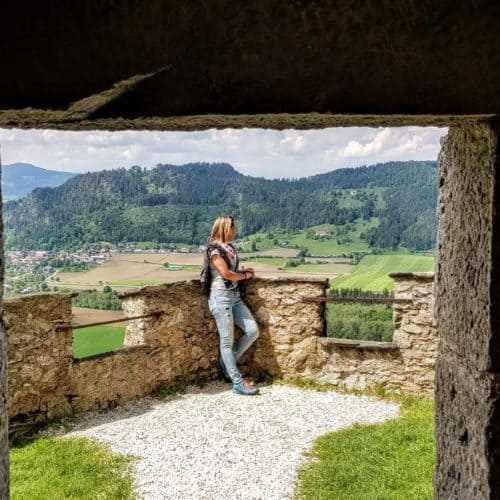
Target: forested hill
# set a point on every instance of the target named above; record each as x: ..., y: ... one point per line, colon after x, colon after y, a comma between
x: 18, y: 179
x: 179, y: 203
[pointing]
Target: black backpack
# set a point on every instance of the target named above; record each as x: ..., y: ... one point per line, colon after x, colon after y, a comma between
x: 206, y: 275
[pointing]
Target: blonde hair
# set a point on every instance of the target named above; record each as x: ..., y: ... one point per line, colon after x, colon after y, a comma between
x: 221, y: 229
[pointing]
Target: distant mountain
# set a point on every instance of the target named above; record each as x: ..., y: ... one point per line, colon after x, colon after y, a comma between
x: 178, y: 203
x: 19, y: 179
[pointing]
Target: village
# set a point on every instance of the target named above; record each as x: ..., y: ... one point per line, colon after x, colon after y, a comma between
x: 30, y: 271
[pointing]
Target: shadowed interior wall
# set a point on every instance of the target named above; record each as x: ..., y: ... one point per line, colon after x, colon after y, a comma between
x: 124, y: 60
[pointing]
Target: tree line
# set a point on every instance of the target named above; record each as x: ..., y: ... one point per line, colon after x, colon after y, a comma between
x: 172, y: 203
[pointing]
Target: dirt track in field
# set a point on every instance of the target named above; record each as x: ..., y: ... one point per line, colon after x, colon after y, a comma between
x: 83, y: 316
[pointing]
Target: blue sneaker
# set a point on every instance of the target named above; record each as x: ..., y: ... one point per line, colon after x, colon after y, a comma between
x: 246, y: 388
x: 225, y: 375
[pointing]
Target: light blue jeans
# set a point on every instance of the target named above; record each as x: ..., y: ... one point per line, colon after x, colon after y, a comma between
x: 229, y: 309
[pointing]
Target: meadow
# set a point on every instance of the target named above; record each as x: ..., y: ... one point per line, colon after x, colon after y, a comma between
x: 96, y: 340
x: 342, y: 240
x: 372, y: 273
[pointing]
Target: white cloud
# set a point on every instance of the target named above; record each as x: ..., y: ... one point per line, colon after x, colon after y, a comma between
x: 357, y: 150
x: 259, y: 152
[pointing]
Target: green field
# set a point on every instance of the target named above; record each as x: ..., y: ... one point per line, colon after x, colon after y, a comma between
x: 136, y: 282
x: 324, y: 269
x: 96, y: 340
x: 270, y: 261
x: 372, y: 273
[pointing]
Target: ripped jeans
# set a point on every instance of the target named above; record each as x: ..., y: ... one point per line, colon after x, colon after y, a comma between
x: 229, y: 309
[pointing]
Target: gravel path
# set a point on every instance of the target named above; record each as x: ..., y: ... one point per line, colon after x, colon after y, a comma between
x: 212, y: 444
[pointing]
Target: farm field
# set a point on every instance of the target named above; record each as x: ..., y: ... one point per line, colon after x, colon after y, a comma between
x: 322, y: 269
x: 83, y: 316
x: 272, y: 252
x: 96, y: 340
x: 131, y: 271
x: 372, y: 273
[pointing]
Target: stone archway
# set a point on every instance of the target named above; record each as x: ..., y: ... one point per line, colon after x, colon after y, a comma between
x: 302, y: 64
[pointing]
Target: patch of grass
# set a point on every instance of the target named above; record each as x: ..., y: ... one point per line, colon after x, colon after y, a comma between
x: 68, y: 468
x: 96, y: 340
x: 391, y: 461
x: 372, y: 273
x: 304, y: 383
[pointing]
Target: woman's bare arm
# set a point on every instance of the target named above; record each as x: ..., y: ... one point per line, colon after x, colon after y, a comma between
x: 226, y: 273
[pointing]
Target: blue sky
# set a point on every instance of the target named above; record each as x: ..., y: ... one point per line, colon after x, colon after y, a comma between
x: 257, y: 152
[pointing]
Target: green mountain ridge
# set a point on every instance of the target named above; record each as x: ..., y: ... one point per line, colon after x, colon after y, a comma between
x: 179, y: 203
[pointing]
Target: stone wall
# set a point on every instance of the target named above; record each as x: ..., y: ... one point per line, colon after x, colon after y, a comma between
x: 39, y: 358
x: 180, y: 342
x: 405, y: 364
x: 285, y: 323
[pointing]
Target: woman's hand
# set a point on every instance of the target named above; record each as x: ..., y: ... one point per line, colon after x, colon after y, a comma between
x: 251, y: 270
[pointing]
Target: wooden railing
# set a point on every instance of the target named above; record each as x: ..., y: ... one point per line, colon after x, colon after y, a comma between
x: 362, y: 300
x: 119, y: 320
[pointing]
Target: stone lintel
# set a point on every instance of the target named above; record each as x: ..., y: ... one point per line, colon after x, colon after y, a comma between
x: 48, y: 119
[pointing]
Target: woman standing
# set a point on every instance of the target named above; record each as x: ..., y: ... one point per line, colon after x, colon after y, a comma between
x: 226, y: 305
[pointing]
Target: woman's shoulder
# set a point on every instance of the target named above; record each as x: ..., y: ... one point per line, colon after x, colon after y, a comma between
x: 215, y: 249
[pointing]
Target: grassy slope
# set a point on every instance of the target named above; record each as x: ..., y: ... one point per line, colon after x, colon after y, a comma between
x: 372, y: 273
x: 321, y: 247
x: 392, y: 461
x: 96, y: 340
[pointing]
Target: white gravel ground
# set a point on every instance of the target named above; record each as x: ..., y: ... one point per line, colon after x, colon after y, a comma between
x: 212, y: 444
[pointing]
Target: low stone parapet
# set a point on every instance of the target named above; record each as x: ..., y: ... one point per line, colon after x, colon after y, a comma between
x: 404, y: 365
x: 182, y: 343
